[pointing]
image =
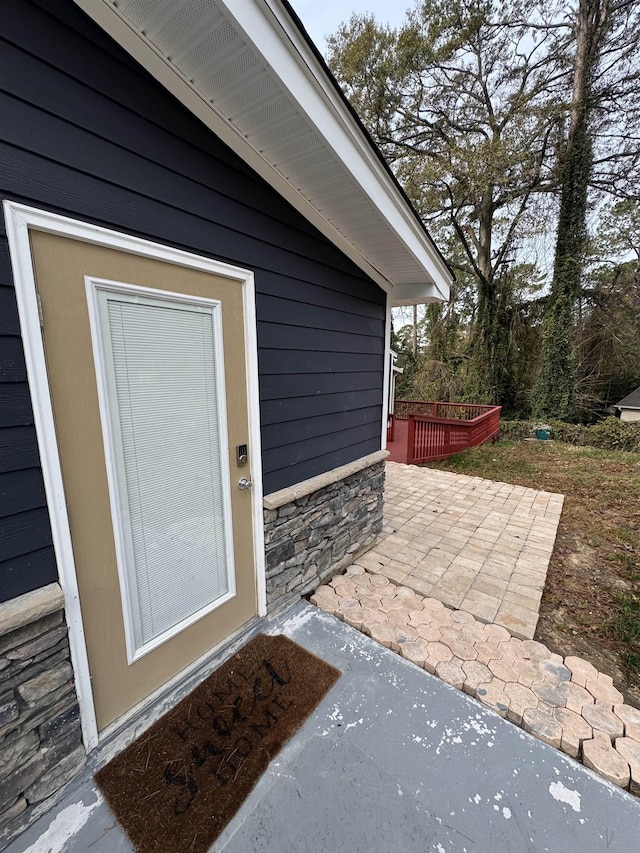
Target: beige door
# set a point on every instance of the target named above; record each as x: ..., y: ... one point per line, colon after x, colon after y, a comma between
x: 122, y: 678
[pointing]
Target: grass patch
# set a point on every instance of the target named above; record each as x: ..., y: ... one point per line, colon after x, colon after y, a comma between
x: 591, y: 604
x: 626, y: 625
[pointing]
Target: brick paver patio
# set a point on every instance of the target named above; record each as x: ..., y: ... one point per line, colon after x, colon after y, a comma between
x: 454, y: 585
x: 565, y: 702
x: 476, y: 545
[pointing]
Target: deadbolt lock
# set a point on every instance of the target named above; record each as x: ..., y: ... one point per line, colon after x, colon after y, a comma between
x: 241, y: 455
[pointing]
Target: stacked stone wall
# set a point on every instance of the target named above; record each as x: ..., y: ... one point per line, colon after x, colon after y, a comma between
x: 40, y: 737
x: 315, y: 529
x: 312, y: 531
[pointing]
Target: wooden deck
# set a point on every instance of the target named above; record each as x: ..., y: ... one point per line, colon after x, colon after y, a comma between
x: 398, y: 447
x: 431, y: 430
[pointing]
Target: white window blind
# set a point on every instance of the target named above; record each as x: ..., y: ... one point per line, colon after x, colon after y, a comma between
x: 170, y: 446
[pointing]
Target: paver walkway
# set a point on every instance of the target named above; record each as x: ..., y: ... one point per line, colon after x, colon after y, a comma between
x: 566, y: 702
x: 476, y: 545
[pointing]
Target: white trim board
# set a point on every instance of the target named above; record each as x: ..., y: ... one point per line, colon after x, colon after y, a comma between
x: 20, y: 219
x: 272, y: 36
x: 386, y: 383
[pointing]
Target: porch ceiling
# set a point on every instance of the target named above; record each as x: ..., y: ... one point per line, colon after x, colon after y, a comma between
x: 248, y: 71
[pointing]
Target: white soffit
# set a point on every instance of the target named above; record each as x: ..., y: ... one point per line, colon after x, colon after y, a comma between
x: 244, y: 68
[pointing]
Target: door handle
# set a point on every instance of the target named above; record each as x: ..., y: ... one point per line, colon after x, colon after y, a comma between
x: 243, y: 483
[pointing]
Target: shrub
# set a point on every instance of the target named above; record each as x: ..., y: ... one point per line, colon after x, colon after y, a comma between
x: 517, y: 430
x: 613, y: 434
x: 609, y: 434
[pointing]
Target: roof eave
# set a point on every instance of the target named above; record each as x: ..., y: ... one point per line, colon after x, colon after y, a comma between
x: 270, y: 29
x: 415, y: 294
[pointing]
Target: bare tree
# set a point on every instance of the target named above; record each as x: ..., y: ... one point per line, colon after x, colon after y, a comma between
x: 601, y: 150
x: 465, y: 102
x: 505, y: 121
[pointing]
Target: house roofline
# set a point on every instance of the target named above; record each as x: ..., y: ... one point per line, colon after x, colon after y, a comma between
x: 386, y: 239
x: 363, y: 129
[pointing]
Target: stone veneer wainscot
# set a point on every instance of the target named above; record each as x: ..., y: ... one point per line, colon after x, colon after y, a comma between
x: 319, y: 526
x: 40, y: 739
x: 312, y: 531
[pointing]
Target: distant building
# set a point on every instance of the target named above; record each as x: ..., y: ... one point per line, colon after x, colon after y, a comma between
x: 630, y: 406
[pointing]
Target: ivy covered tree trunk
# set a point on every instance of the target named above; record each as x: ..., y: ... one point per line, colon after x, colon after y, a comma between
x: 489, y: 374
x: 481, y: 385
x: 492, y: 357
x: 554, y: 391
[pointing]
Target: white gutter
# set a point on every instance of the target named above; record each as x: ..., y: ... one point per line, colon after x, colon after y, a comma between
x: 327, y: 112
x: 268, y: 28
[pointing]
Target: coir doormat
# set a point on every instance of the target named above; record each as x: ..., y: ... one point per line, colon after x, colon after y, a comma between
x: 175, y: 788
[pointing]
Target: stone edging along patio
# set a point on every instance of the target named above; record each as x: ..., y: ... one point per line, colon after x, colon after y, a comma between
x: 566, y: 702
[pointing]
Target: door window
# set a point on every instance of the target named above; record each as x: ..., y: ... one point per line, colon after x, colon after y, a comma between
x: 159, y: 361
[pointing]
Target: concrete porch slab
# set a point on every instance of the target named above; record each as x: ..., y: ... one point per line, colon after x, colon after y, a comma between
x: 476, y: 545
x: 392, y: 760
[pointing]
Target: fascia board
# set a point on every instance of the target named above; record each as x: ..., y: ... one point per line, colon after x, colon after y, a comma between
x: 287, y: 55
x: 107, y: 16
x: 283, y: 49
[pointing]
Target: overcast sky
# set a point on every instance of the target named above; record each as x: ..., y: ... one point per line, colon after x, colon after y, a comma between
x: 321, y: 18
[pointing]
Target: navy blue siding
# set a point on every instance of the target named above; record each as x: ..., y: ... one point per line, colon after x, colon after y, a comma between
x: 87, y: 133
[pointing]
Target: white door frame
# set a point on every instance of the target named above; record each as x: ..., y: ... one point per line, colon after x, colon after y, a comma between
x: 20, y: 219
x: 387, y: 405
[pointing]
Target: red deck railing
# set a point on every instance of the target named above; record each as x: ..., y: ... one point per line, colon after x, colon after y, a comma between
x: 437, y: 430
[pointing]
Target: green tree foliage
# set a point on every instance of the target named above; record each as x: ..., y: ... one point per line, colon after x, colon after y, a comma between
x: 604, y: 37
x: 463, y: 100
x: 444, y: 367
x: 506, y: 122
x: 607, y: 338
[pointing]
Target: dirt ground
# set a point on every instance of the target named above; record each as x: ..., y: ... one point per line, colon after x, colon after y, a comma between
x: 576, y: 609
x: 591, y: 602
